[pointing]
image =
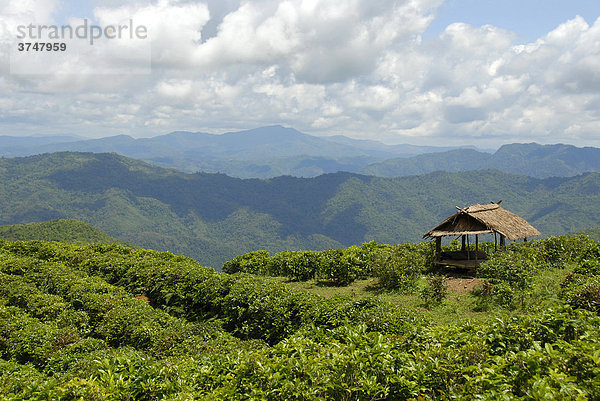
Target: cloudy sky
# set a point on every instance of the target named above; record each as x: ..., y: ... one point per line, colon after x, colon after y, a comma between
x: 436, y: 72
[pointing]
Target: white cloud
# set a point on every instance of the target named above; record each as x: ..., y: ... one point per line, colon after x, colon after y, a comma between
x: 350, y: 66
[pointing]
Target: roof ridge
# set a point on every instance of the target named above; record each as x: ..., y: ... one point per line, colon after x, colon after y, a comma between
x: 484, y: 209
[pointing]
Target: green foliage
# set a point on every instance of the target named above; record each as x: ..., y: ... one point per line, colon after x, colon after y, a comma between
x: 63, y: 230
x: 518, y: 358
x: 71, y: 328
x: 557, y: 251
x: 581, y: 291
x: 297, y: 265
x: 337, y: 266
x: 256, y: 262
x: 256, y: 308
x: 343, y: 266
x: 396, y: 266
x: 511, y: 272
x: 435, y: 291
x: 484, y: 296
x: 587, y: 297
x: 401, y: 266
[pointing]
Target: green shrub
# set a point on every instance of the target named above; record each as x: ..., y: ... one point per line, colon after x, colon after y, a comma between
x: 27, y: 339
x: 514, y: 267
x: 257, y: 262
x: 399, y: 268
x: 483, y: 296
x: 23, y: 382
x: 582, y: 292
x: 106, y: 345
x: 296, y: 265
x: 589, y: 267
x: 339, y: 266
x: 558, y: 251
x: 269, y: 310
x: 435, y: 291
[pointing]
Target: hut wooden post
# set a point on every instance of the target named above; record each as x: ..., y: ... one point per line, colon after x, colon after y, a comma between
x: 468, y: 248
x: 464, y: 246
x: 438, y: 248
x: 476, y: 246
x: 502, y: 242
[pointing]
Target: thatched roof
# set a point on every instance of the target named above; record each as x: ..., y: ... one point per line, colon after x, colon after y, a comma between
x: 484, y: 219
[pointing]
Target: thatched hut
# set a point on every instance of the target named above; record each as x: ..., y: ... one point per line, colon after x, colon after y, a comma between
x: 474, y: 220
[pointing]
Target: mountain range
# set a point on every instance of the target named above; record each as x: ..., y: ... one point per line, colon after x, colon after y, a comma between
x: 273, y: 151
x: 214, y: 217
x: 532, y: 159
x: 264, y: 152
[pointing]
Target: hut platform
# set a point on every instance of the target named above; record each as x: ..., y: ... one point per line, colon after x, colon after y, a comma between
x: 469, y: 264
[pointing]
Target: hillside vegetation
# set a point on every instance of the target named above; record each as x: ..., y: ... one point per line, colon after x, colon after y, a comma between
x: 213, y: 217
x: 74, y: 231
x: 106, y: 322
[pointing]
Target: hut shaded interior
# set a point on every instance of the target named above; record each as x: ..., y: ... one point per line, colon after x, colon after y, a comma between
x: 475, y: 220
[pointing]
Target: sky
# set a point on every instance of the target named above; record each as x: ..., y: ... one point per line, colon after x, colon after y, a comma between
x: 424, y: 72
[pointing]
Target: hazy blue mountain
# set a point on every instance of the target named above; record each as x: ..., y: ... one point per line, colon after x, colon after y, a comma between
x: 262, y: 152
x: 451, y: 161
x: 402, y: 150
x: 21, y: 145
x: 530, y: 159
x: 213, y: 217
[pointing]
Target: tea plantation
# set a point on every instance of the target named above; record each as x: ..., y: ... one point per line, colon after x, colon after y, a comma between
x: 107, y: 322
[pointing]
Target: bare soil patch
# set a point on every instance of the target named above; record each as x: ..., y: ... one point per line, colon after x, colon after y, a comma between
x: 462, y: 285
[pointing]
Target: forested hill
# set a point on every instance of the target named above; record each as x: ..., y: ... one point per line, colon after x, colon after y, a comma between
x: 213, y: 217
x: 529, y: 159
x: 64, y: 230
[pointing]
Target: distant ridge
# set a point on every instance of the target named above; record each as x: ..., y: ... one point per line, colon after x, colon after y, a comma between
x: 264, y: 152
x: 63, y: 230
x: 530, y: 159
x: 272, y: 151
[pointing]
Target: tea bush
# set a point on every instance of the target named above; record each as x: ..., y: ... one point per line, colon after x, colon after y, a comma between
x: 257, y: 262
x: 581, y: 291
x: 71, y: 329
x: 296, y: 265
x: 400, y: 266
x: 435, y: 291
x: 337, y: 266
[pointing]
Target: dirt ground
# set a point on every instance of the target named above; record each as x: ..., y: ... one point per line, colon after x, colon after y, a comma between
x: 462, y: 285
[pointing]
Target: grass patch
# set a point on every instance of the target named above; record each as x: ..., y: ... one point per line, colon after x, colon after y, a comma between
x: 546, y: 287
x: 459, y: 305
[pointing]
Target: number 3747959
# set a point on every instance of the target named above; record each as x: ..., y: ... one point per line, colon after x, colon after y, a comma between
x: 42, y: 46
